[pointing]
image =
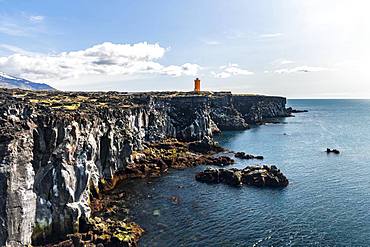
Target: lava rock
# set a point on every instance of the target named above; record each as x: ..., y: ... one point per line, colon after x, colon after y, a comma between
x: 260, y: 176
x: 335, y: 151
x: 291, y: 110
x: 231, y: 177
x: 244, y: 156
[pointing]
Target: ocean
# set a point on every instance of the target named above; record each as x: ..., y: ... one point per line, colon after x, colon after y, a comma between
x: 327, y: 202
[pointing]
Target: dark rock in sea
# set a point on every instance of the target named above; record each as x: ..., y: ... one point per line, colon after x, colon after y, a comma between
x: 231, y: 177
x: 291, y: 110
x: 244, y: 156
x: 61, y: 150
x: 260, y: 176
x: 335, y: 151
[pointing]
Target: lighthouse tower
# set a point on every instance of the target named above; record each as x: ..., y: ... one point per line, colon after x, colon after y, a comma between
x: 197, y: 85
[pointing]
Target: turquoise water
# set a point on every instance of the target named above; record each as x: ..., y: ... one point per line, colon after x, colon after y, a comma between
x: 327, y: 202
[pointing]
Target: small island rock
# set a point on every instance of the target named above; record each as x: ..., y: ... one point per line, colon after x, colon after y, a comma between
x: 260, y: 176
x: 244, y: 156
x: 335, y: 151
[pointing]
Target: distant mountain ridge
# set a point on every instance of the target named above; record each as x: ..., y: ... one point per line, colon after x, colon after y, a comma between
x: 9, y: 81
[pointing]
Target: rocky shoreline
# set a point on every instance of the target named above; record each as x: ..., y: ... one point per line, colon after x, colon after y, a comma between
x: 154, y: 161
x: 62, y: 152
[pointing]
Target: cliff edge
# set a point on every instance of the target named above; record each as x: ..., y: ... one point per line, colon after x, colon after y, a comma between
x: 56, y: 148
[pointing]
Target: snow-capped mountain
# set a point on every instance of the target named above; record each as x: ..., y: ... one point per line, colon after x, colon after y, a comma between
x: 8, y: 81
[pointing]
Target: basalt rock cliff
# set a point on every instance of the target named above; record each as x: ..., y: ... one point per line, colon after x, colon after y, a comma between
x: 57, y: 147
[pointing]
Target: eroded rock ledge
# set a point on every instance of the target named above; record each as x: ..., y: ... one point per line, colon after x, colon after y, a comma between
x: 58, y: 149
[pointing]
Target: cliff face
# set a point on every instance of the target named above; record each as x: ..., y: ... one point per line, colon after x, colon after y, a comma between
x: 258, y: 108
x: 55, y: 147
x: 235, y: 112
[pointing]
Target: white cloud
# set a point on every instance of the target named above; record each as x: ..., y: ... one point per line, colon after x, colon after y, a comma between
x: 271, y: 35
x: 36, y: 18
x: 305, y: 69
x: 102, y: 59
x: 231, y: 70
x: 221, y: 75
x: 185, y: 69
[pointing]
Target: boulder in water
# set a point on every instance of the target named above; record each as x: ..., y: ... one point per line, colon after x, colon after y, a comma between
x: 335, y: 151
x: 244, y: 156
x: 260, y: 176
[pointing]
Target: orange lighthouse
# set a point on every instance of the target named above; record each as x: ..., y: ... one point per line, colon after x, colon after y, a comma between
x: 197, y: 85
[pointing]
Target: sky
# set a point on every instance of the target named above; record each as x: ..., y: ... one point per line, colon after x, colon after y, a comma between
x: 293, y: 48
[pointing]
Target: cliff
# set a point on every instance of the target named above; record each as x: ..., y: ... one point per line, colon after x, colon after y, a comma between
x: 56, y: 148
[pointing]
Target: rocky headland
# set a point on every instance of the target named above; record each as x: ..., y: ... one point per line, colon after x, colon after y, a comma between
x: 62, y: 152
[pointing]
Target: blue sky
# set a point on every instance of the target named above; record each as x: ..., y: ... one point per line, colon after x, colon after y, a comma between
x: 296, y: 48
